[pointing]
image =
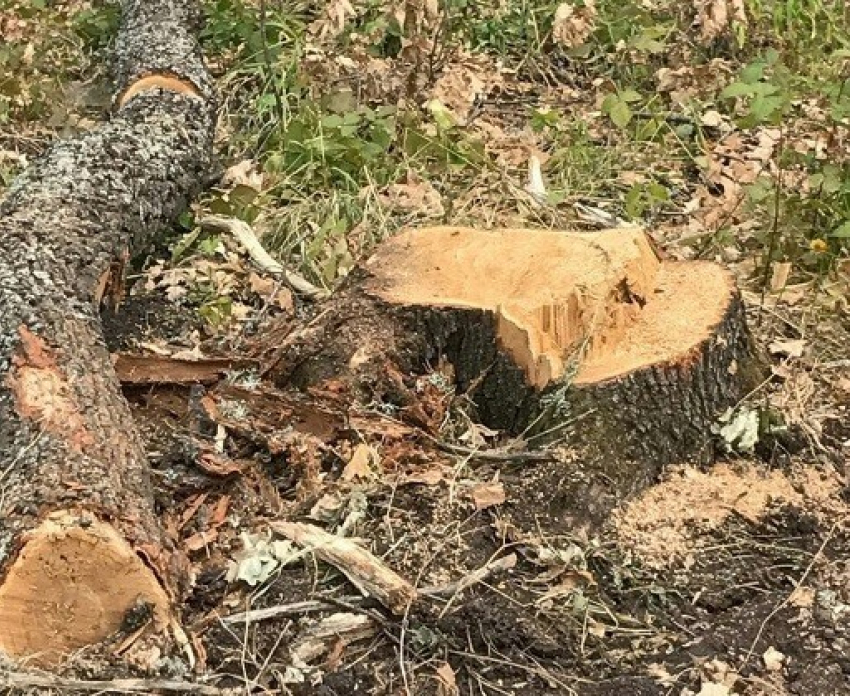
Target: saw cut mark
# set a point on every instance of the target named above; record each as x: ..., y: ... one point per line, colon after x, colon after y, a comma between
x: 167, y: 82
x: 71, y: 585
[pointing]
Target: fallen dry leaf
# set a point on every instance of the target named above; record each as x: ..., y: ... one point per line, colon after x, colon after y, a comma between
x: 446, y: 680
x: 716, y: 16
x: 486, y: 495
x: 243, y: 173
x: 574, y: 23
x: 415, y: 195
x: 427, y: 477
x: 361, y: 463
x: 461, y: 86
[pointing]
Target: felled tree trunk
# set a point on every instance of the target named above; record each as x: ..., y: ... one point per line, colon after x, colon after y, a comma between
x: 583, y: 336
x: 80, y: 545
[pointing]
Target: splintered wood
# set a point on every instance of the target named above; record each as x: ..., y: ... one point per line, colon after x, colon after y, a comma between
x: 555, y: 293
x: 367, y: 572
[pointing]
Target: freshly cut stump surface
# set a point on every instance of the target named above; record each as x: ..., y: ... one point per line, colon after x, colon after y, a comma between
x: 547, y: 290
x: 585, y: 336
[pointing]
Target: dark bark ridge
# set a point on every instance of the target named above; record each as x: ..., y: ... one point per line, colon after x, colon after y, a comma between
x: 70, y: 456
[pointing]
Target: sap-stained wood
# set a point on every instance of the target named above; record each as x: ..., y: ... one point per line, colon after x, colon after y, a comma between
x: 584, y: 335
x: 80, y: 542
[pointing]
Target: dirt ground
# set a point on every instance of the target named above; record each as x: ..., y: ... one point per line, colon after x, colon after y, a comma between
x: 731, y: 578
x: 726, y: 578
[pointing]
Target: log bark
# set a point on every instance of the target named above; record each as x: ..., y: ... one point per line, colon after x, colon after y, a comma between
x: 80, y: 544
x: 584, y: 337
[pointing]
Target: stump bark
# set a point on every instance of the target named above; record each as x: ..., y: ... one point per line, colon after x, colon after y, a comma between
x: 583, y: 336
x: 80, y: 544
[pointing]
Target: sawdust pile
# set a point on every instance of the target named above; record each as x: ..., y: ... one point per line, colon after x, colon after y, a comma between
x: 670, y: 522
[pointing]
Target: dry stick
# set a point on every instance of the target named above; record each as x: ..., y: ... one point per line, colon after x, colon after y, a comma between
x: 476, y: 576
x: 365, y: 570
x: 293, y: 609
x: 248, y: 239
x: 26, y: 680
x: 482, y: 574
x: 784, y: 603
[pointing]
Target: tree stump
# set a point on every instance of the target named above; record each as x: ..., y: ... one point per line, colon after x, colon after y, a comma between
x: 81, y: 547
x: 585, y: 336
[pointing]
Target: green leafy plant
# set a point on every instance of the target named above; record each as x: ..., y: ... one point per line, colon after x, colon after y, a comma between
x: 617, y: 106
x: 764, y: 88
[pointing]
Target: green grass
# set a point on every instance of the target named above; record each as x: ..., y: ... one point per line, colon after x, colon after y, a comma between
x: 327, y: 155
x: 328, y: 151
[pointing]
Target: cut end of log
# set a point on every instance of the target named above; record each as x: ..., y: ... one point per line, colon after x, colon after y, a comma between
x: 73, y: 584
x: 167, y: 82
x: 552, y: 292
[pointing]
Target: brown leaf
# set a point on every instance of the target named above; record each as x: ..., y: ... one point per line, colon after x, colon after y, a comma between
x: 486, y: 495
x: 716, y: 16
x: 574, y: 23
x: 360, y: 464
x: 243, y: 173
x: 446, y: 680
x: 413, y: 196
x: 428, y: 477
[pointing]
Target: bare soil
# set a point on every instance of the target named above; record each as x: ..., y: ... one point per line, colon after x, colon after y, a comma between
x: 733, y: 576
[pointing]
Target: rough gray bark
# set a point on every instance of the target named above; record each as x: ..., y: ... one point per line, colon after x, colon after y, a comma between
x: 67, y: 440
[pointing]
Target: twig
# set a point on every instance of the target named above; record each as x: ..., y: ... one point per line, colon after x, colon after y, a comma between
x: 491, y: 455
x: 353, y: 603
x: 483, y: 573
x: 26, y: 680
x: 246, y: 237
x: 309, y: 606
